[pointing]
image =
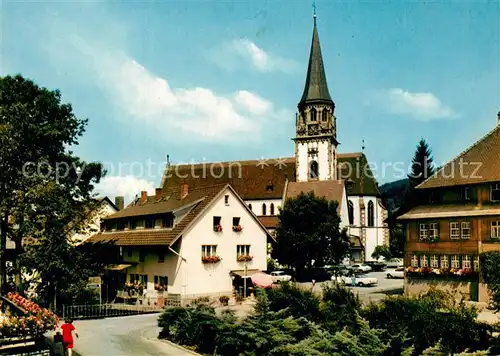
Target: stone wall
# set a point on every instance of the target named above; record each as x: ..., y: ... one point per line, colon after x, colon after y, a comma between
x: 461, y: 289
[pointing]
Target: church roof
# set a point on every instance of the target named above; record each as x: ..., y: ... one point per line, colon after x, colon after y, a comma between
x: 316, y: 88
x: 330, y: 189
x: 265, y: 179
x: 480, y: 163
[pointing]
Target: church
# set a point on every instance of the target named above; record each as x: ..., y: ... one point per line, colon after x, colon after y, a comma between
x: 208, y: 226
x: 316, y: 166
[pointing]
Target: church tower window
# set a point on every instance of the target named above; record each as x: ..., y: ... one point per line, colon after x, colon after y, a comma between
x: 350, y: 208
x: 324, y: 115
x: 264, y: 209
x: 313, y: 114
x: 371, y: 216
x: 313, y: 170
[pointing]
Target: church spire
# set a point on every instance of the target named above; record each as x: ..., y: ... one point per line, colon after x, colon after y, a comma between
x: 316, y: 88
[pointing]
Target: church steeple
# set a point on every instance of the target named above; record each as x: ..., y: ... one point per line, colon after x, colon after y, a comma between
x: 316, y: 133
x: 316, y: 88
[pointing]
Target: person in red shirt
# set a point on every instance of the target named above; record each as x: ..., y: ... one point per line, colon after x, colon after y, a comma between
x: 67, y: 334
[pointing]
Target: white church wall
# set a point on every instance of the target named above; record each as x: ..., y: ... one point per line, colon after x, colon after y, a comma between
x: 302, y: 168
x: 323, y: 161
x: 257, y: 206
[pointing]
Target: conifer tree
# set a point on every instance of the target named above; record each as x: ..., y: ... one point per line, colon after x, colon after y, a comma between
x: 422, y: 164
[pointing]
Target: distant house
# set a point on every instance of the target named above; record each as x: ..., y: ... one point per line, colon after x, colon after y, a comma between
x: 187, y: 242
x: 457, y: 218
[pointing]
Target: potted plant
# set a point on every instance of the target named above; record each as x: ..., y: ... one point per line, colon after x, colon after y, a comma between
x: 218, y: 228
x: 210, y: 259
x: 244, y: 258
x: 237, y: 228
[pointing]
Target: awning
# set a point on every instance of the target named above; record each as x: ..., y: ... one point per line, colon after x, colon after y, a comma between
x: 117, y: 267
x: 241, y: 273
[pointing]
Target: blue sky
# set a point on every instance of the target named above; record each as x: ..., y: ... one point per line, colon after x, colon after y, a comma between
x: 220, y: 80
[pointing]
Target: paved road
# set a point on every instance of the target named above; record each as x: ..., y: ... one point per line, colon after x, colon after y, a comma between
x: 371, y: 293
x: 122, y: 336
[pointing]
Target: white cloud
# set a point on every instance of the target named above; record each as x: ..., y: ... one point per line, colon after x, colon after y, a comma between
x: 421, y: 106
x: 242, y: 51
x: 197, y: 111
x: 127, y: 186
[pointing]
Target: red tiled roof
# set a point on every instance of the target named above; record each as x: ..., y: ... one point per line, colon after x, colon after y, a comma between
x: 270, y: 222
x: 331, y: 190
x: 480, y: 163
x: 159, y: 236
x: 265, y: 179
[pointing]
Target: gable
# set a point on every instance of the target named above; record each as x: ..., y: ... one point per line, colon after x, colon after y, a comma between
x: 480, y: 163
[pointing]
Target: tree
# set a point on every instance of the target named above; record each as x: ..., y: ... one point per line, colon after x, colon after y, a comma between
x: 382, y: 251
x: 45, y: 190
x: 309, y: 230
x: 422, y: 164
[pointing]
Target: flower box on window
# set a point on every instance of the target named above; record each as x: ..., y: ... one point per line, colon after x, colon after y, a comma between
x: 210, y: 259
x: 453, y: 273
x: 244, y: 258
x: 237, y: 228
x: 159, y: 288
x: 430, y: 239
x: 218, y: 228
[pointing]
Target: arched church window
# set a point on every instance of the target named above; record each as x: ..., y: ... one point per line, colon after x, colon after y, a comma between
x: 264, y: 209
x: 313, y: 169
x: 250, y: 206
x: 350, y: 209
x: 324, y: 115
x: 271, y: 209
x: 371, y: 216
x: 313, y: 114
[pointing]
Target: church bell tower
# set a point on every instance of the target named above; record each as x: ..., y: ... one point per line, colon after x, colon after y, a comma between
x: 316, y: 136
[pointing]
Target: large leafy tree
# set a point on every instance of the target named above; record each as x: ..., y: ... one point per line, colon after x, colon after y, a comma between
x: 309, y: 231
x: 45, y: 190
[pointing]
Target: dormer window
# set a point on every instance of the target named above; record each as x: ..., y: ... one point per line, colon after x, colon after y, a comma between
x: 120, y: 224
x: 495, y: 192
x: 150, y: 222
x: 313, y: 114
x: 168, y: 221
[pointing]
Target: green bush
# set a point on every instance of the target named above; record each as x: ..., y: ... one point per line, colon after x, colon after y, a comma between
x: 296, y: 301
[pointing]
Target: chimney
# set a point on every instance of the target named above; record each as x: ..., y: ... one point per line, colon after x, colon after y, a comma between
x: 157, y: 193
x: 144, y: 196
x: 184, y: 190
x: 120, y: 202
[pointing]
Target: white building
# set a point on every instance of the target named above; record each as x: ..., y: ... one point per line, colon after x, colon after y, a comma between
x: 263, y: 183
x: 189, y: 242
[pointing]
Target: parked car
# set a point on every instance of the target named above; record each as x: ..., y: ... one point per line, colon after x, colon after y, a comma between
x: 361, y: 267
x: 339, y: 270
x: 280, y: 276
x: 376, y: 266
x: 360, y: 281
x: 397, y: 273
x: 394, y: 263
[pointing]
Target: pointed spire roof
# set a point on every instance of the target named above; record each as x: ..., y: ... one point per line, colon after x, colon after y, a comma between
x: 316, y: 88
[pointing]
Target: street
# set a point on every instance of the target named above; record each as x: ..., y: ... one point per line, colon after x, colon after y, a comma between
x: 368, y: 294
x: 122, y: 336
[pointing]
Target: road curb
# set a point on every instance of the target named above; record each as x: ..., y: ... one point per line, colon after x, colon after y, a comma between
x: 179, y: 347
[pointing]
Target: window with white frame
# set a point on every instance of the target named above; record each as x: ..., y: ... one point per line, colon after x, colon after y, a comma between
x: 466, y: 262
x: 434, y: 261
x: 433, y: 230
x: 454, y: 230
x: 444, y: 262
x: 476, y: 263
x: 465, y: 229
x: 423, y: 261
x: 466, y: 193
x: 424, y: 231
x: 495, y: 229
x: 208, y: 250
x: 243, y: 250
x: 495, y: 191
x: 455, y: 261
x: 414, y: 261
